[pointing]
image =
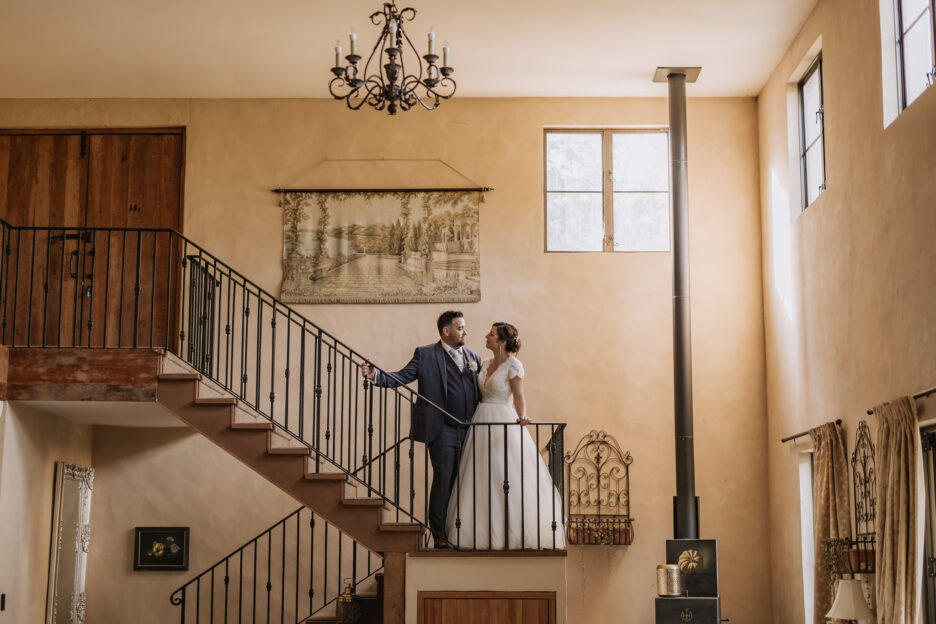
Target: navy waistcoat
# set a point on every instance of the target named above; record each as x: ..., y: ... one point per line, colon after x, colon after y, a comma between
x: 459, y: 390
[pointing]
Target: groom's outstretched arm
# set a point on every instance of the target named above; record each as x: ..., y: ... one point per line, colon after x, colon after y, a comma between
x: 405, y: 375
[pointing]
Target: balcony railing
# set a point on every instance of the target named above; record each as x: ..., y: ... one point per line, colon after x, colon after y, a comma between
x: 120, y: 288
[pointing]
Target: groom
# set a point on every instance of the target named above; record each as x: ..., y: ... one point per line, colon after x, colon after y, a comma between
x: 447, y: 372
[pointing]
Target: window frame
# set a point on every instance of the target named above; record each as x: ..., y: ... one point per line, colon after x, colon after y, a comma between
x: 899, y: 33
x: 815, y: 66
x: 607, y: 188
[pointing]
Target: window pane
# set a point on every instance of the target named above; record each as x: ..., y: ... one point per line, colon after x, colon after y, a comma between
x: 910, y: 10
x: 574, y: 222
x: 641, y: 161
x: 641, y: 222
x: 811, y: 103
x: 815, y: 176
x: 918, y: 57
x: 573, y: 162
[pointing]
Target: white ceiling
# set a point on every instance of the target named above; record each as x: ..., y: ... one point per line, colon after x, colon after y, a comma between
x: 284, y: 48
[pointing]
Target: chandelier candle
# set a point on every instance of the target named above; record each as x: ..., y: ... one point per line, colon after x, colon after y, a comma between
x: 383, y: 83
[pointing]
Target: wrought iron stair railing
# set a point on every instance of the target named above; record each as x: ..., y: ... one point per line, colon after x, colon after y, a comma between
x: 291, y: 571
x: 119, y: 288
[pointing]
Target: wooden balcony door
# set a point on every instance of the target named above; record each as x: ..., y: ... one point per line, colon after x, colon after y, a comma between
x: 78, y: 287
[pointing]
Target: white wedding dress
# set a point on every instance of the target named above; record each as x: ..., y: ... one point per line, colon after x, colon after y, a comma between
x: 480, y: 514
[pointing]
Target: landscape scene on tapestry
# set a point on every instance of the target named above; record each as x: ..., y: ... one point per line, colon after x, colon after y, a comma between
x: 381, y: 247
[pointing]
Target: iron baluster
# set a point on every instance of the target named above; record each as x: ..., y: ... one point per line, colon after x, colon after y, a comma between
x: 45, y: 288
x: 32, y: 271
x: 16, y: 273
x: 107, y: 262
x: 272, y: 359
x: 259, y: 355
x: 286, y: 372
x: 317, y: 408
x: 506, y: 493
x: 136, y: 289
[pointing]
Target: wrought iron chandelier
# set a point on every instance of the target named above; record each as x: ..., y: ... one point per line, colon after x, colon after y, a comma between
x: 393, y: 88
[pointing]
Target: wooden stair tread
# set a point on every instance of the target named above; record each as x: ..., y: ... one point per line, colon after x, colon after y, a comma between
x: 252, y: 425
x: 288, y: 450
x: 401, y: 527
x: 326, y: 476
x: 179, y: 376
x: 364, y: 502
x: 215, y: 401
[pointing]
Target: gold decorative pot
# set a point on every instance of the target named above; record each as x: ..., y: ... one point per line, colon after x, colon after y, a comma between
x: 669, y: 581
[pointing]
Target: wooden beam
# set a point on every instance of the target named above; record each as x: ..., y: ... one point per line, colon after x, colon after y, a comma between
x: 81, y: 374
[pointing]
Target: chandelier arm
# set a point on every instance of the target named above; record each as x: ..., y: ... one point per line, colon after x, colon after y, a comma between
x: 414, y: 97
x: 446, y: 82
x: 415, y: 52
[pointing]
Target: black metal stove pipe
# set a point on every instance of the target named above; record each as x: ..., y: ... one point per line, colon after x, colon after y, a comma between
x: 687, y: 521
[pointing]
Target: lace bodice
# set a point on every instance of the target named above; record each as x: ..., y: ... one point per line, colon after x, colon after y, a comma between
x: 496, y: 388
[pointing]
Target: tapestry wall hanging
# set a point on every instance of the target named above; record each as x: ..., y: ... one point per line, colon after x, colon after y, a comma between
x: 381, y: 246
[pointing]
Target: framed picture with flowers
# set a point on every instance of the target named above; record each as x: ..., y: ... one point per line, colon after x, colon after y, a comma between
x: 160, y: 548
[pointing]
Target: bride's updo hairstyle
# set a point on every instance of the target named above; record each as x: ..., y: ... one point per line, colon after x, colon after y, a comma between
x: 509, y: 334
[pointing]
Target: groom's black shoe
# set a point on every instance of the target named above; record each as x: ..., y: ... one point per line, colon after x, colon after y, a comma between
x: 440, y: 543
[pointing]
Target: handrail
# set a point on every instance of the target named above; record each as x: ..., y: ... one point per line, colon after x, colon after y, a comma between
x: 242, y: 587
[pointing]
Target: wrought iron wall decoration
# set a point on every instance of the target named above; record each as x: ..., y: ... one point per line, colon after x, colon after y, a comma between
x: 864, y: 482
x: 407, y: 246
x: 393, y: 88
x: 598, y: 498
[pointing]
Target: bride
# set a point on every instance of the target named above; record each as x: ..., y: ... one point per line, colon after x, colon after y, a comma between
x: 500, y: 453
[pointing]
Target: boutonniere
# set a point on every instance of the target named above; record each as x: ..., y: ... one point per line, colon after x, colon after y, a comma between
x: 472, y: 366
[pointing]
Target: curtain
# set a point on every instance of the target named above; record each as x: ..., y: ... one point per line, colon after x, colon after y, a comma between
x: 895, y: 523
x: 831, y: 506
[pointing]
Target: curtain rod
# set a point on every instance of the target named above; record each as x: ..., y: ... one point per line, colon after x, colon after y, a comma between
x: 802, y: 433
x: 918, y: 395
x: 482, y: 189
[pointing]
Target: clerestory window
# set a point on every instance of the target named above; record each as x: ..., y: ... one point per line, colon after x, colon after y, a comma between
x: 607, y: 190
x: 812, y: 139
x: 916, y: 50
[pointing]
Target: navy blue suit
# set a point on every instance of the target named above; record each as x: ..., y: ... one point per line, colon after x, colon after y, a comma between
x: 439, y: 381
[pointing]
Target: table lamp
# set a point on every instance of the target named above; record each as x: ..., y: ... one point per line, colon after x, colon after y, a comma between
x: 849, y: 603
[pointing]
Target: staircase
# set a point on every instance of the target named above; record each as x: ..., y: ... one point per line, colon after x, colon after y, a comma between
x: 261, y: 381
x: 287, y: 467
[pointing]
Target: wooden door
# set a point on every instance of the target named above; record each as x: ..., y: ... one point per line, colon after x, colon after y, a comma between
x: 135, y: 182
x: 489, y: 607
x: 82, y: 288
x: 43, y: 183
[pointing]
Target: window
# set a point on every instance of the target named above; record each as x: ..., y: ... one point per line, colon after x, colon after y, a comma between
x: 812, y: 122
x: 607, y: 190
x: 916, y: 52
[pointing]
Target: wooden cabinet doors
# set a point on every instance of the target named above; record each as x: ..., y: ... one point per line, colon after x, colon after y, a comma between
x: 67, y: 284
x: 490, y: 607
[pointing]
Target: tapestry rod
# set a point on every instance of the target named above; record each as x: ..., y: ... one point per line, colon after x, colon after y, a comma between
x: 802, y: 433
x: 918, y: 395
x: 481, y: 189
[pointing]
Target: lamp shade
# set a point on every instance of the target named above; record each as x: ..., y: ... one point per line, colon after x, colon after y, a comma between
x: 849, y: 602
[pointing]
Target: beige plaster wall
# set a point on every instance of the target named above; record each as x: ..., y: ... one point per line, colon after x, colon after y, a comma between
x: 167, y: 477
x: 596, y: 327
x: 849, y: 285
x: 32, y: 443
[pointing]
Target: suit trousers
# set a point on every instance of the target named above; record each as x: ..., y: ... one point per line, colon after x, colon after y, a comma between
x: 443, y: 455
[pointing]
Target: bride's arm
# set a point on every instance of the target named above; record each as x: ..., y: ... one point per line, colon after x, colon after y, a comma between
x: 516, y: 387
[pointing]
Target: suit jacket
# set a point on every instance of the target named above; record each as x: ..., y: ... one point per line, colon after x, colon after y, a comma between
x: 428, y: 368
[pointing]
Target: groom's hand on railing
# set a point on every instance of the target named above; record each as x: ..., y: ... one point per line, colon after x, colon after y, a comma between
x: 368, y: 371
